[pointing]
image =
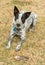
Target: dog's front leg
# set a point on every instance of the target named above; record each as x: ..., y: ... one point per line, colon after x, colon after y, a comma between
x: 23, y: 37
x: 19, y: 45
x: 12, y: 34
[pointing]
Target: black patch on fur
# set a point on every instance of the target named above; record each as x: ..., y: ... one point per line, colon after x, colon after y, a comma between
x: 16, y: 12
x: 25, y: 16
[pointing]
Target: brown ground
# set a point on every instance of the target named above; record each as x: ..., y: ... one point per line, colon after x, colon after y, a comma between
x: 34, y: 46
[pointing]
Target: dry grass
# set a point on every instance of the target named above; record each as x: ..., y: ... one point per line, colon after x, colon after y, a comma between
x: 34, y: 46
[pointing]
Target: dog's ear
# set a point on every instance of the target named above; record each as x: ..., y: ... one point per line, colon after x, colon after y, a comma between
x: 16, y: 11
x: 25, y: 16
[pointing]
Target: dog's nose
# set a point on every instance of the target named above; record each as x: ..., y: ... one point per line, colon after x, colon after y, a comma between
x: 18, y: 25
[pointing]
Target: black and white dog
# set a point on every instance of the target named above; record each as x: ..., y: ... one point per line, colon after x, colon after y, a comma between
x: 22, y: 22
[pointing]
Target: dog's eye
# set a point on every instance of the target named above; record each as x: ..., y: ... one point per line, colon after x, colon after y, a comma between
x: 23, y: 20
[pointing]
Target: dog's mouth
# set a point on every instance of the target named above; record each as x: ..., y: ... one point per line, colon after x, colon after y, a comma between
x: 18, y: 29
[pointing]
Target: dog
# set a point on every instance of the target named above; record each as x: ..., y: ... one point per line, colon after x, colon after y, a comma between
x: 22, y: 21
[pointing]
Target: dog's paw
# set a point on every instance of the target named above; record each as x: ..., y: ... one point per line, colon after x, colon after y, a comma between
x: 18, y: 48
x: 31, y: 30
x: 7, y: 47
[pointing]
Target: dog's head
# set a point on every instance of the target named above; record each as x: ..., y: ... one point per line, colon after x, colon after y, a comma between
x: 20, y: 18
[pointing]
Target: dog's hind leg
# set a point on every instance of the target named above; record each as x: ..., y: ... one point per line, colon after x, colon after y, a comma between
x: 34, y: 21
